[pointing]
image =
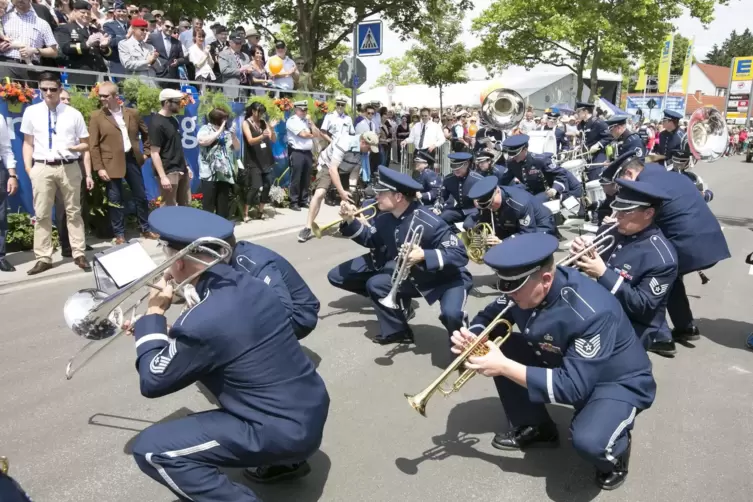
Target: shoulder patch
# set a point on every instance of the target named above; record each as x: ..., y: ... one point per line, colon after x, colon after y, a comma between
x: 525, y: 221
x: 656, y: 288
x: 162, y: 360
x: 588, y: 349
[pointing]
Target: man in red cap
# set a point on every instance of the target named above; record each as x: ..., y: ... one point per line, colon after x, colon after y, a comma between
x: 138, y: 57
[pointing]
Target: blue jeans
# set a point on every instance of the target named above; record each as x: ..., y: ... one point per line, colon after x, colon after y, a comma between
x: 3, y: 208
x: 115, y: 195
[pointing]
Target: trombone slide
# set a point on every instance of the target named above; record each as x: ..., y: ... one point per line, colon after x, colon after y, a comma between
x: 320, y: 231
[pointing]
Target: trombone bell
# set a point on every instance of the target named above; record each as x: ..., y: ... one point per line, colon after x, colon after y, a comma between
x: 319, y: 232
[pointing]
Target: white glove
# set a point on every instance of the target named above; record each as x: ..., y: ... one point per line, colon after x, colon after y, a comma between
x: 551, y: 193
x: 595, y: 148
x: 191, y: 295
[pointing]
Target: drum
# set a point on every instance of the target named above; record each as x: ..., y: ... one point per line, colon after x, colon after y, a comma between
x: 542, y: 142
x: 595, y: 192
x: 575, y: 166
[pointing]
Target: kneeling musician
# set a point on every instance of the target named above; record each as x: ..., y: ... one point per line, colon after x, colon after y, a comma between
x: 429, y: 180
x: 458, y: 207
x: 485, y: 168
x: 575, y: 347
x: 411, y: 239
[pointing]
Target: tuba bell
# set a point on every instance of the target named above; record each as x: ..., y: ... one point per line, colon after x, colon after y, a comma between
x: 503, y: 109
x: 707, y: 134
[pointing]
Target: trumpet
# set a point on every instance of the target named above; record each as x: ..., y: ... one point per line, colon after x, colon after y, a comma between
x: 475, y: 241
x: 477, y: 348
x: 320, y: 231
x: 601, y: 243
x: 94, y: 315
x: 412, y: 239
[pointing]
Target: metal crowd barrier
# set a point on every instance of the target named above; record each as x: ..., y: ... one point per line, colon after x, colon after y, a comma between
x: 441, y: 162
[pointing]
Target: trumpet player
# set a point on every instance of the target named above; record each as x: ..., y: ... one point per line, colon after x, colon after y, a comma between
x: 485, y: 168
x: 509, y: 210
x: 430, y: 181
x: 234, y: 340
x: 458, y: 207
x: 670, y: 139
x: 641, y: 265
x: 436, y: 266
x: 625, y: 140
x: 538, y: 174
x: 596, y: 137
x: 575, y: 347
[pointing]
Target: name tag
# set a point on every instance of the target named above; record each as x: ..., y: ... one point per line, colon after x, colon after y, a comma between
x: 263, y: 145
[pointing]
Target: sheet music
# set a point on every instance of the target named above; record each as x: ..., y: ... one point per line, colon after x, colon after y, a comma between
x: 127, y: 264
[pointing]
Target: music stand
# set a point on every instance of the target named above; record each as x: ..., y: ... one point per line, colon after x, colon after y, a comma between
x: 117, y: 267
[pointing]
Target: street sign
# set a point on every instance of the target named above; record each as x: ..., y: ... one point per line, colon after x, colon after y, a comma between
x: 651, y: 104
x: 369, y: 40
x: 345, y: 73
x: 391, y: 88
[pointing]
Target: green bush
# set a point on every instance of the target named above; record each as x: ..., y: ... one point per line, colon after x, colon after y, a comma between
x: 211, y: 100
x: 20, y: 236
x: 269, y: 103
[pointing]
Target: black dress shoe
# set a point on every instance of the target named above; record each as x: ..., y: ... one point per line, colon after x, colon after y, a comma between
x: 614, y: 479
x: 276, y: 473
x: 81, y: 263
x: 39, y: 267
x: 305, y: 205
x: 66, y: 253
x: 88, y: 248
x: 5, y: 266
x: 686, y: 334
x: 664, y: 348
x: 295, y: 208
x: 519, y: 438
x: 400, y: 337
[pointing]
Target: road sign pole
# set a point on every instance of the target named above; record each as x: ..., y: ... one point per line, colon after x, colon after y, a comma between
x: 353, y: 83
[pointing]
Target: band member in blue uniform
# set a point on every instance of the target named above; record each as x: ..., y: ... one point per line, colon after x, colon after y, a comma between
x: 458, y: 207
x: 437, y: 267
x: 604, y: 209
x: 596, y: 137
x: 509, y: 210
x: 563, y: 143
x: 624, y: 139
x: 575, y: 347
x: 641, y: 265
x: 691, y: 227
x: 10, y: 490
x: 683, y: 161
x: 485, y: 168
x: 670, y: 139
x: 486, y: 137
x: 538, y: 174
x: 300, y: 302
x: 430, y: 181
x: 236, y: 341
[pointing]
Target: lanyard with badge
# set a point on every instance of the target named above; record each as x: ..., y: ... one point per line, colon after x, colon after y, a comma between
x: 51, y: 131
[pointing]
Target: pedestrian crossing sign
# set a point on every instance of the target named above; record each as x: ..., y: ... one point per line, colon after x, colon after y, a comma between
x: 369, y: 41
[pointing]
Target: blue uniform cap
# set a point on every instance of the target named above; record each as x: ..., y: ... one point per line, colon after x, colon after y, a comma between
x: 519, y: 256
x: 584, y: 105
x: 483, y: 190
x: 179, y: 226
x: 673, y: 115
x: 483, y: 156
x: 393, y: 181
x: 614, y: 169
x: 422, y: 157
x: 616, y: 120
x: 512, y: 145
x: 459, y: 159
x: 635, y: 194
x: 554, y: 115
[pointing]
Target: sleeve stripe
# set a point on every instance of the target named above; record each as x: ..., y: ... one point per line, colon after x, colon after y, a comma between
x: 440, y: 259
x: 360, y: 229
x: 550, y: 386
x: 617, y: 285
x: 560, y: 184
x: 150, y: 338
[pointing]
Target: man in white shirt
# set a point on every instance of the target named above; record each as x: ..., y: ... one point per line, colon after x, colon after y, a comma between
x: 528, y: 124
x: 8, y: 187
x: 337, y: 122
x: 55, y: 134
x: 377, y: 119
x: 458, y: 132
x: 426, y: 136
x: 301, y: 133
x: 285, y: 78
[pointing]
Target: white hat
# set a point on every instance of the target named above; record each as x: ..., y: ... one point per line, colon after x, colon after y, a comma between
x: 166, y: 94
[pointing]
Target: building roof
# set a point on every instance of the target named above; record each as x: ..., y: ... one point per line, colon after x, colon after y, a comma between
x: 719, y: 75
x: 694, y: 103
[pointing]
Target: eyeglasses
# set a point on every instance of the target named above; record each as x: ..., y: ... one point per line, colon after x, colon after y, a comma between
x: 168, y: 26
x: 49, y: 89
x: 369, y: 113
x: 104, y: 96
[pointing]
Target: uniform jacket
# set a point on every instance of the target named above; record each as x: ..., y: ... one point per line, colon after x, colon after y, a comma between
x: 604, y: 209
x: 595, y: 131
x: 687, y: 221
x: 629, y: 141
x: 537, y: 173
x: 239, y: 343
x: 496, y: 170
x: 457, y: 189
x: 117, y: 32
x: 563, y: 142
x: 585, y: 344
x: 432, y: 186
x: 445, y: 256
x: 264, y: 264
x: 640, y: 270
x: 106, y: 141
x: 520, y: 213
x: 72, y: 39
x: 669, y: 144
x: 378, y: 256
x: 156, y: 39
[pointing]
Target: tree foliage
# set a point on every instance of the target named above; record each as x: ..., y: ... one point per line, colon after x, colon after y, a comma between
x: 175, y: 9
x: 400, y: 70
x: 735, y: 46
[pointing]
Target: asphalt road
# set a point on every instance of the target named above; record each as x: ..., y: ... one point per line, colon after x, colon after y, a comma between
x: 68, y: 441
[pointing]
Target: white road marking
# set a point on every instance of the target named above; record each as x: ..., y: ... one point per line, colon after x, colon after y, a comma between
x: 740, y: 370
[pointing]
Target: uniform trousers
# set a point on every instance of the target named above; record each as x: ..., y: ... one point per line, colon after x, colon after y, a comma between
x: 678, y: 306
x: 301, y: 163
x: 185, y: 454
x: 352, y: 275
x: 452, y: 216
x: 599, y: 428
x: 594, y: 172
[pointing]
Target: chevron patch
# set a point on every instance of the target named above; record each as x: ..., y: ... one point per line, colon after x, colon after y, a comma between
x: 161, y: 361
x: 656, y: 288
x: 588, y: 348
x: 525, y: 221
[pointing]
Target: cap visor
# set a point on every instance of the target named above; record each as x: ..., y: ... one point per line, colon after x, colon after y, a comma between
x: 604, y: 181
x: 374, y: 148
x: 618, y: 205
x: 511, y: 286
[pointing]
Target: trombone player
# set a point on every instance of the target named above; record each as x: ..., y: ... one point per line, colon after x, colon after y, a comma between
x: 237, y: 342
x: 436, y: 267
x: 575, y: 347
x: 641, y: 265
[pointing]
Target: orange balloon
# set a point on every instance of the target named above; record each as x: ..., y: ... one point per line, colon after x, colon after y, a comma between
x: 493, y: 86
x: 472, y: 130
x: 275, y: 65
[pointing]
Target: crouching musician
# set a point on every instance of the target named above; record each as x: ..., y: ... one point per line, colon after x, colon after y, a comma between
x: 435, y: 263
x: 237, y: 342
x: 576, y: 347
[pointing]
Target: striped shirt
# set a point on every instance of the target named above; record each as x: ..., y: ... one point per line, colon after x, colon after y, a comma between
x: 28, y: 29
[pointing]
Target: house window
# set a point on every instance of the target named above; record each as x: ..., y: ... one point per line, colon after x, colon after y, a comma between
x: 721, y: 91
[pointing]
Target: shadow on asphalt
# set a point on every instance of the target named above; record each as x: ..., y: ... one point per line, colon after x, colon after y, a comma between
x: 352, y: 303
x: 736, y: 221
x: 725, y: 332
x: 567, y: 476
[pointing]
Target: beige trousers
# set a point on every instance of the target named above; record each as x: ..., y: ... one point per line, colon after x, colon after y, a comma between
x: 180, y: 195
x: 45, y: 181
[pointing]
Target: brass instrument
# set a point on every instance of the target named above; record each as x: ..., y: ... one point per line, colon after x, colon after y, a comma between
x: 412, y: 239
x: 475, y: 241
x: 4, y: 465
x: 707, y: 134
x: 503, y: 109
x: 94, y: 315
x: 601, y: 243
x: 477, y: 348
x: 320, y: 231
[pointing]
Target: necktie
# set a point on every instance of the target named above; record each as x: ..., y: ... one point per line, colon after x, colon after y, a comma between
x: 371, y: 125
x: 421, y: 139
x: 240, y: 65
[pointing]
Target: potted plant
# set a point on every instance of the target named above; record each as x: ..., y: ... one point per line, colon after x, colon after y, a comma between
x: 16, y: 95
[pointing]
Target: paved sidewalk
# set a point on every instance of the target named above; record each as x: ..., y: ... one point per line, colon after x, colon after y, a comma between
x: 285, y: 221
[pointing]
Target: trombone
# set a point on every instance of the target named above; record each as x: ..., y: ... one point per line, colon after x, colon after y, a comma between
x: 477, y: 348
x: 402, y: 269
x: 94, y: 315
x: 601, y: 243
x: 320, y: 231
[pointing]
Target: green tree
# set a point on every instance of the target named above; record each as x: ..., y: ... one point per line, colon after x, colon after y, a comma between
x: 400, y: 70
x: 440, y: 59
x: 733, y: 47
x: 175, y: 9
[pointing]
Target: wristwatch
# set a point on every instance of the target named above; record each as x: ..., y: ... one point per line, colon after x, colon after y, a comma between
x: 12, y: 176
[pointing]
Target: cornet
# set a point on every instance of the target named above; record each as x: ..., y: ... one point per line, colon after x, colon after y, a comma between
x: 320, y: 231
x: 94, y: 315
x: 601, y: 243
x: 477, y: 348
x: 402, y: 269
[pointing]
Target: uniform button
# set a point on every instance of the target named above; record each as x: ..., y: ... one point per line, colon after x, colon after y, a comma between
x: 538, y: 353
x: 533, y: 315
x: 530, y: 344
x: 527, y: 331
x: 619, y: 246
x: 614, y: 256
x: 546, y: 363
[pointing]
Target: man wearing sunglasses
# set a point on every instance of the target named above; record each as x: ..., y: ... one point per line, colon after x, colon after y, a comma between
x: 426, y: 136
x: 575, y: 347
x: 337, y: 122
